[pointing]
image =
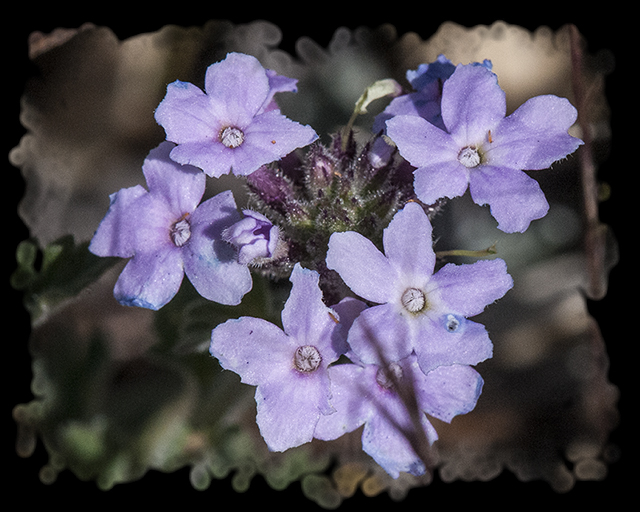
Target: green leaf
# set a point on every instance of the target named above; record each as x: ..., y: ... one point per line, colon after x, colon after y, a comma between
x: 489, y: 251
x: 26, y: 254
x: 67, y: 268
x: 184, y: 325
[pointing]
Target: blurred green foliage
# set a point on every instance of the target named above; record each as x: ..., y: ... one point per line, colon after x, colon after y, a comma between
x: 57, y: 272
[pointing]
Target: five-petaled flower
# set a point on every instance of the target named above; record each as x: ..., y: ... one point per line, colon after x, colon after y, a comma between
x: 235, y: 125
x: 482, y: 149
x: 167, y: 233
x: 369, y: 395
x: 289, y: 367
x: 418, y: 310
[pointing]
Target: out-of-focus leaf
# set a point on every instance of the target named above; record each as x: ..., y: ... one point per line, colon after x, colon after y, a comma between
x: 66, y: 269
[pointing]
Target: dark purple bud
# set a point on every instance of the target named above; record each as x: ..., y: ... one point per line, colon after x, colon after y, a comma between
x: 273, y: 189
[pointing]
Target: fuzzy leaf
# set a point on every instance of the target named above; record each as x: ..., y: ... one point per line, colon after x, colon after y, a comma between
x: 66, y: 269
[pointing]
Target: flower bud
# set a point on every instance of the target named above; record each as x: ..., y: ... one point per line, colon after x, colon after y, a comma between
x: 254, y: 237
x: 380, y: 153
x: 274, y: 190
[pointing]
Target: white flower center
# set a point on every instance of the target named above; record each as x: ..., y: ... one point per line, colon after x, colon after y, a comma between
x: 413, y: 300
x: 469, y: 157
x: 307, y: 359
x: 232, y: 137
x: 181, y: 232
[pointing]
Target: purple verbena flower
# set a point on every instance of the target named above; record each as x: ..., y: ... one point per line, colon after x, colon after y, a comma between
x: 478, y: 147
x: 234, y: 124
x: 368, y: 395
x: 289, y: 367
x: 167, y: 233
x: 254, y: 236
x: 417, y: 310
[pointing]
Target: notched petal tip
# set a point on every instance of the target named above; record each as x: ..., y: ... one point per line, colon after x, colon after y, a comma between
x: 515, y: 198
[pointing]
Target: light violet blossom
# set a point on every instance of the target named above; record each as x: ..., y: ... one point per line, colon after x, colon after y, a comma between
x: 167, y: 233
x: 479, y: 148
x: 289, y: 367
x: 367, y: 395
x: 234, y: 125
x: 418, y: 310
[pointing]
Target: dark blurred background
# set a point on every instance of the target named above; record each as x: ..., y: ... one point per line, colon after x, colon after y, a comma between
x: 603, y: 29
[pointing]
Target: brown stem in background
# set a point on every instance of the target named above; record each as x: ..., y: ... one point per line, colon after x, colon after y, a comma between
x: 595, y: 232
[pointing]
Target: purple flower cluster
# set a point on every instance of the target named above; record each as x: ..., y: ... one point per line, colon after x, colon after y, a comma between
x: 417, y: 337
x: 235, y: 126
x: 375, y: 333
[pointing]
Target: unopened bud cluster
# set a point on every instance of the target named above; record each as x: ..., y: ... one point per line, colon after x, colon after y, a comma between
x: 340, y: 187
